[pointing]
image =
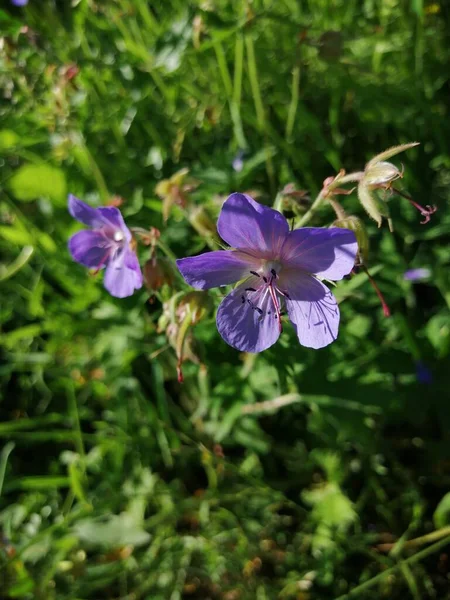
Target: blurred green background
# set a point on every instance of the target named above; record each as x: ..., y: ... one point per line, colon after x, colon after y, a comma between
x: 116, y: 481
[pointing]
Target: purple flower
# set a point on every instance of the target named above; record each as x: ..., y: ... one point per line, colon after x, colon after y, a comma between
x: 278, y: 268
x: 106, y: 244
x: 423, y: 373
x: 19, y: 2
x: 417, y: 274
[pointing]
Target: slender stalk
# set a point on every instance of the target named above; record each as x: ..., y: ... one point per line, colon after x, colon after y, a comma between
x: 388, y: 572
x: 419, y: 541
x: 259, y: 107
x: 295, y: 87
x: 324, y: 192
x: 309, y: 214
x: 7, y: 449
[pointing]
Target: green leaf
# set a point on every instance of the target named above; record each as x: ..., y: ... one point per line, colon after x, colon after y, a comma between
x: 441, y: 516
x: 30, y: 182
x: 8, y: 139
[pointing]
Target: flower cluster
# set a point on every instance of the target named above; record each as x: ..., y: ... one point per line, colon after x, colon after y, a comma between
x: 276, y: 270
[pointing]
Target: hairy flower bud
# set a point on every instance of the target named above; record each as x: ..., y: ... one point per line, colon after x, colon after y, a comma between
x: 381, y: 174
x: 374, y: 207
x: 357, y: 226
x: 195, y: 305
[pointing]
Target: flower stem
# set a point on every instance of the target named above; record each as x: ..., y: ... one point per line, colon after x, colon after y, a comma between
x: 386, y: 310
x: 312, y: 210
x: 419, y: 541
x: 388, y: 572
x: 325, y: 192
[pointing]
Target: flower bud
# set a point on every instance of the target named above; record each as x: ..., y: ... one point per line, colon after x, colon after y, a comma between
x: 371, y: 204
x: 195, y: 305
x: 172, y: 191
x: 293, y: 202
x: 157, y: 272
x: 381, y: 174
x: 202, y: 222
x: 357, y: 226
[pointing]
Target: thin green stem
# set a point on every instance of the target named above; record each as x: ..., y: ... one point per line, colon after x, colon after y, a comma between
x: 254, y: 83
x: 7, y: 449
x: 324, y: 192
x: 434, y: 536
x: 259, y: 107
x: 231, y: 92
x: 295, y: 88
x: 73, y: 410
x: 388, y: 572
x: 309, y: 214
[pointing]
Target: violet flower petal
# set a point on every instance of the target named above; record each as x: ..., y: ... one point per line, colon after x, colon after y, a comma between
x: 313, y: 310
x: 89, y: 248
x: 328, y: 253
x: 112, y: 217
x: 247, y: 225
x: 245, y: 327
x: 213, y: 269
x: 19, y: 2
x: 84, y: 213
x: 123, y: 274
x: 418, y: 274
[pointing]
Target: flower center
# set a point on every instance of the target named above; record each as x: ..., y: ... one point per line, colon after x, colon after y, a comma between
x: 118, y: 236
x: 267, y: 293
x: 270, y: 268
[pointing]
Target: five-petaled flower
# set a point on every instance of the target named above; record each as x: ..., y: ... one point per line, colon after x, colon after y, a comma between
x: 277, y: 269
x: 107, y: 244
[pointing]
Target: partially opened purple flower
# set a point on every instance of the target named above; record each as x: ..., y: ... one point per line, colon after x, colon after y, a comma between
x: 19, y: 2
x: 106, y: 244
x: 278, y: 267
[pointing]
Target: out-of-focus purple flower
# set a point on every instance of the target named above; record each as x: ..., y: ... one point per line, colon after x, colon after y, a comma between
x: 238, y: 162
x: 423, y: 373
x: 19, y: 2
x: 417, y: 274
x: 107, y: 244
x: 279, y: 268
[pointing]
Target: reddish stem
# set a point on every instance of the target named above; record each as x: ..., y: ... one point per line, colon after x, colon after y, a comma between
x: 386, y: 311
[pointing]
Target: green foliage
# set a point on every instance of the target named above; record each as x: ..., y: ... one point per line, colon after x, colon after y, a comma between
x: 280, y: 475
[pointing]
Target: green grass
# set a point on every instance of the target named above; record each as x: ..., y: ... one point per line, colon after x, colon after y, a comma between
x: 282, y: 475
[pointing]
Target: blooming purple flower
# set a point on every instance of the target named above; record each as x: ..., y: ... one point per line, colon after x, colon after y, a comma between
x: 106, y: 244
x: 19, y: 2
x: 279, y: 268
x: 418, y: 274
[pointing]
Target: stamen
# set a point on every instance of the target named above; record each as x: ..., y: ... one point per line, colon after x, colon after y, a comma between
x: 265, y: 279
x: 118, y: 236
x: 276, y: 306
x: 274, y: 273
x: 255, y: 273
x: 285, y: 294
x: 250, y: 290
x: 102, y: 261
x: 243, y: 299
